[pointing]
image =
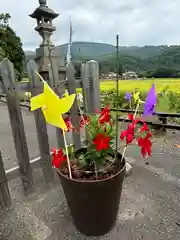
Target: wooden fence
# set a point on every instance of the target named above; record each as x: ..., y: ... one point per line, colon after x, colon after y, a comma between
x: 91, y: 92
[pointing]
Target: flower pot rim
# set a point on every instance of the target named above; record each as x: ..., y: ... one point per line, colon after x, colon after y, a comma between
x: 93, y: 181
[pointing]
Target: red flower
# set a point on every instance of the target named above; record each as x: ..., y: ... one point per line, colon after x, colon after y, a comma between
x: 131, y: 117
x: 129, y: 133
x: 68, y: 123
x: 145, y: 144
x: 105, y: 115
x: 134, y: 121
x: 144, y: 128
x: 58, y: 157
x: 84, y: 120
x: 101, y: 141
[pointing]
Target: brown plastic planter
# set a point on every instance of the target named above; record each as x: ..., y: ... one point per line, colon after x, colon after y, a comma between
x: 94, y: 204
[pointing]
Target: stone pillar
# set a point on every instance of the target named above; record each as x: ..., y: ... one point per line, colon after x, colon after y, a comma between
x: 46, y: 53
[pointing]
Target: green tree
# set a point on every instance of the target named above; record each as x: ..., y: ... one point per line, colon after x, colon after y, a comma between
x: 4, y: 19
x: 10, y: 44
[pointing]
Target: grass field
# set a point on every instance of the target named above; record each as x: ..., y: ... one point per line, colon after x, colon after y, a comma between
x: 142, y: 85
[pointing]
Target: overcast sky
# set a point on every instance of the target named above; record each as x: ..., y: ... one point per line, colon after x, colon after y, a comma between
x: 138, y: 22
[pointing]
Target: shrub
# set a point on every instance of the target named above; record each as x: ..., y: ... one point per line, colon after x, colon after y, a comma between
x: 174, y: 100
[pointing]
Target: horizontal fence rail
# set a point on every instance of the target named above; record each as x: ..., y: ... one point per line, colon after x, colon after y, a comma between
x: 161, y: 116
x: 159, y: 125
x: 25, y: 104
x: 25, y: 86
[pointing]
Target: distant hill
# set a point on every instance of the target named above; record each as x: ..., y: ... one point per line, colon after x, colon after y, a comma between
x: 144, y: 52
x: 165, y: 63
x: 87, y: 49
x: 144, y: 60
x: 90, y: 49
x: 82, y: 49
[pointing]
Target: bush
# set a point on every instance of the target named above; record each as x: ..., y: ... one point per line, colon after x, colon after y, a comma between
x: 174, y: 100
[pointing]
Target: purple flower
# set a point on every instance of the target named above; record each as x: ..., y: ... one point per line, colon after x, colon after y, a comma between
x: 128, y: 96
x: 150, y: 103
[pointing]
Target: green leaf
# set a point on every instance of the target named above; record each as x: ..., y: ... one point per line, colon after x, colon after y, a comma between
x: 81, y: 161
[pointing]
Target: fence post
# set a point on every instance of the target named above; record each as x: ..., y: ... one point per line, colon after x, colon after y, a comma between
x: 91, y: 86
x: 74, y: 110
x: 36, y: 87
x: 17, y: 125
x: 59, y: 90
x: 5, y: 198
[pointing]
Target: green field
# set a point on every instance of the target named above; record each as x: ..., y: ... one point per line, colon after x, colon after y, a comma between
x: 142, y: 85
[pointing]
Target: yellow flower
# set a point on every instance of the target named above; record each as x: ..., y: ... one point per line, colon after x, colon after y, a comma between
x: 136, y: 98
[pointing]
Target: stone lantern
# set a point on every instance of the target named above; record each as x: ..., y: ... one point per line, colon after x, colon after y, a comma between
x: 46, y: 53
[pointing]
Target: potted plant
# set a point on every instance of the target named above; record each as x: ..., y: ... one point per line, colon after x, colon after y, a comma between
x: 92, y: 177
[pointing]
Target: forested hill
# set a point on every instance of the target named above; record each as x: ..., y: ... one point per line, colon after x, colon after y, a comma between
x: 165, y: 62
x: 90, y: 49
x: 146, y: 60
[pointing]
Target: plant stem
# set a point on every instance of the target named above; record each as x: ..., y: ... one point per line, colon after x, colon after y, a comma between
x: 130, y: 105
x: 117, y: 93
x: 125, y: 148
x: 81, y: 113
x: 66, y: 148
x: 137, y: 107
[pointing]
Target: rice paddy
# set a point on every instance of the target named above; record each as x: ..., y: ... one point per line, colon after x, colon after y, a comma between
x: 141, y: 85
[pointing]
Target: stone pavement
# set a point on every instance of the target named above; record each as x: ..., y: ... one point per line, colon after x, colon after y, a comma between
x: 149, y: 207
